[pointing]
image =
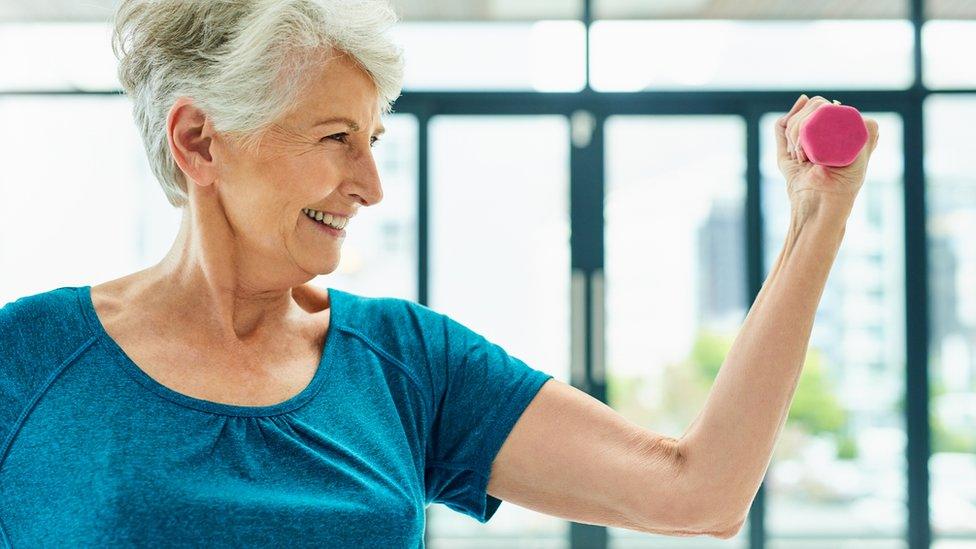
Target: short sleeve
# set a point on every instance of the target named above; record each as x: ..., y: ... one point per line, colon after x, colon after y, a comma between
x: 480, y: 391
x: 38, y: 333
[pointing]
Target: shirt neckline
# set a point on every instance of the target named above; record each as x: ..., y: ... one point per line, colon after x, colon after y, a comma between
x: 130, y: 367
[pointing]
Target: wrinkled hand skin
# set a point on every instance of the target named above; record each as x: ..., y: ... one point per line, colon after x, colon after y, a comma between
x: 806, y: 181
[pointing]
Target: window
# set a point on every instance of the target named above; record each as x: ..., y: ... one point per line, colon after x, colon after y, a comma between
x: 500, y: 264
x: 644, y: 55
x: 76, y: 175
x: 839, y: 471
x: 379, y: 254
x: 951, y: 204
x: 949, y: 9
x: 542, y: 56
x: 756, y: 10
x: 675, y: 272
x: 57, y: 56
x: 947, y: 58
x: 485, y: 10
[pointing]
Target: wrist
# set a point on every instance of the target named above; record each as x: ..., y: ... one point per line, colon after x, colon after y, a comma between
x: 822, y: 218
x: 822, y: 207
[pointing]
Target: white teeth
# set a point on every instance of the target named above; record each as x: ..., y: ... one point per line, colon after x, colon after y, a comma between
x: 327, y: 219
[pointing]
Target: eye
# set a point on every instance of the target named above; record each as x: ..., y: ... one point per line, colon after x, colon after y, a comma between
x: 341, y: 137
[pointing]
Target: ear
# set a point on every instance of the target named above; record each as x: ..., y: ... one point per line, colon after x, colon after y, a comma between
x: 190, y: 133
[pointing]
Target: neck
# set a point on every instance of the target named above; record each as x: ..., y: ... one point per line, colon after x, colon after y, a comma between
x: 208, y: 279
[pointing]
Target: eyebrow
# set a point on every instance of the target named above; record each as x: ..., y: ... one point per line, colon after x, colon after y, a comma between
x: 352, y: 124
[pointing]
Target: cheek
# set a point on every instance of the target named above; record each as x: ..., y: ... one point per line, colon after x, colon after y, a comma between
x: 297, y: 177
x: 283, y: 179
x: 315, y: 174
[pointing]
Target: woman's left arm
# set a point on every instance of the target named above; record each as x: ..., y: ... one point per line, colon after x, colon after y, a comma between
x: 729, y: 445
x: 569, y: 455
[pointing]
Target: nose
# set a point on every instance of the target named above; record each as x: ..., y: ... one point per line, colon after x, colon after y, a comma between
x: 366, y: 179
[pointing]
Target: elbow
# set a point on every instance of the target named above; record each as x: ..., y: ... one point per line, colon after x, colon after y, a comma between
x: 726, y: 525
x: 714, y: 507
x: 715, y: 524
x: 729, y: 531
x: 695, y: 504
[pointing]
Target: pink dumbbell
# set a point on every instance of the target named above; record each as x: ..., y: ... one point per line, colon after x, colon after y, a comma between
x: 833, y: 135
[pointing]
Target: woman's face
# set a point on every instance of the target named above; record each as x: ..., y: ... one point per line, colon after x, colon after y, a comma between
x: 303, y: 162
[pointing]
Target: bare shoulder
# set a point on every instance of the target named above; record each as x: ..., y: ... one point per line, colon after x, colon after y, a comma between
x: 107, y: 299
x: 113, y: 298
x: 312, y: 299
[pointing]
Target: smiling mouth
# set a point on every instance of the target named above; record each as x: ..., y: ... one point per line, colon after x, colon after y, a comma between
x: 342, y: 222
x: 327, y: 229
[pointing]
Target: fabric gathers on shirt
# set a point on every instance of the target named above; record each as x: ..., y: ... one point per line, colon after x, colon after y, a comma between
x: 407, y: 407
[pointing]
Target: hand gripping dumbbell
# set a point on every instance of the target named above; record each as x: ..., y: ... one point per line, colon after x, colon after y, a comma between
x: 833, y: 135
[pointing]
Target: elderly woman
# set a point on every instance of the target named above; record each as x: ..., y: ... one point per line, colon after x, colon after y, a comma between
x: 218, y: 398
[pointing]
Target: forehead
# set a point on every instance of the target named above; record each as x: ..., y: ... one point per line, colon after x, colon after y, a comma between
x: 340, y: 92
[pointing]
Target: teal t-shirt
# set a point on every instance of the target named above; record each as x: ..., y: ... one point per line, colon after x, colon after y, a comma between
x: 408, y: 407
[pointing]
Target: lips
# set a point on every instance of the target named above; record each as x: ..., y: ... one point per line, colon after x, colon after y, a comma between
x: 326, y: 229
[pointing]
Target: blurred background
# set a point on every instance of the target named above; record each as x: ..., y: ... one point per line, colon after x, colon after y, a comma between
x: 592, y: 184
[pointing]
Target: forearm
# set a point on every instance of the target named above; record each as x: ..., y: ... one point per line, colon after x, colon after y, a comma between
x: 725, y: 452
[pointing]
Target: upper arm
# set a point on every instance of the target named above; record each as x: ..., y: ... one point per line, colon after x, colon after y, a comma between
x: 501, y: 430
x: 572, y: 456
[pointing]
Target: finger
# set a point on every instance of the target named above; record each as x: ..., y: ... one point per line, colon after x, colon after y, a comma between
x: 781, y: 145
x: 784, y: 120
x: 872, y: 125
x: 794, y: 123
x: 802, y: 100
x: 868, y: 148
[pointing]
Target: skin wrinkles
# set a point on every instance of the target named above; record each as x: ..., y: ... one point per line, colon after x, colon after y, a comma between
x: 233, y: 288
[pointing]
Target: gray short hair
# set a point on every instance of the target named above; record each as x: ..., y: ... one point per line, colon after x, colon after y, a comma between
x: 242, y: 61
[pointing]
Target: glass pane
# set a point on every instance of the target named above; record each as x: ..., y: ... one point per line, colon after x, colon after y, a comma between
x: 100, y: 10
x: 488, y: 10
x: 838, y: 470
x: 950, y: 9
x: 951, y: 202
x: 57, y: 10
x: 542, y: 56
x: 953, y: 544
x: 379, y: 254
x: 814, y: 542
x: 114, y: 218
x: 675, y: 273
x: 57, y: 56
x: 104, y: 213
x: 947, y: 48
x: 626, y: 55
x: 499, y: 251
x: 697, y: 9
x: 545, y: 56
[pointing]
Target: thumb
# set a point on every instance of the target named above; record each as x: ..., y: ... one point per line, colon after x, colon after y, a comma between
x: 781, y: 141
x: 780, y: 127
